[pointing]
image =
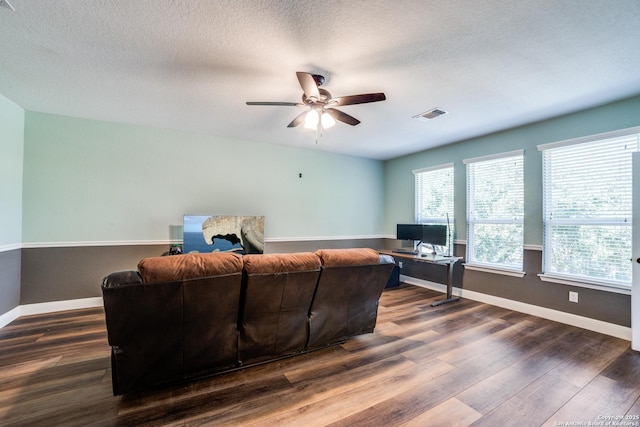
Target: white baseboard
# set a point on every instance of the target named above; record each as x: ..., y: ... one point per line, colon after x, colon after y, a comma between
x: 48, y: 307
x: 599, y: 326
x: 9, y: 316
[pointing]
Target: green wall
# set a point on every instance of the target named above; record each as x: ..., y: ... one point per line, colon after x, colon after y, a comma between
x: 11, y: 160
x: 399, y: 184
x: 92, y: 181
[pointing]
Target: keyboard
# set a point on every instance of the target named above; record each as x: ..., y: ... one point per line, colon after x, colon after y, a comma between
x: 405, y: 251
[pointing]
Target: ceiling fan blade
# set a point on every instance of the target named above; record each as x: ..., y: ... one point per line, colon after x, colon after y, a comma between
x: 308, y: 84
x: 286, y: 104
x: 298, y: 120
x: 343, y: 117
x: 358, y: 99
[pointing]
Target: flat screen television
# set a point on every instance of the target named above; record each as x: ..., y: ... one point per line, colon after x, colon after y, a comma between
x: 223, y: 233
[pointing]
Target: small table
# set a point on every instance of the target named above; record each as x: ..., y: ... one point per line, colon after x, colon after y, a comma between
x: 447, y: 261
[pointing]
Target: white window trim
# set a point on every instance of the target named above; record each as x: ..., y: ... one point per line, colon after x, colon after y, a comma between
x: 494, y: 156
x: 519, y: 221
x: 433, y: 168
x: 589, y: 138
x: 572, y: 280
x: 589, y: 284
x: 493, y: 269
x: 446, y: 221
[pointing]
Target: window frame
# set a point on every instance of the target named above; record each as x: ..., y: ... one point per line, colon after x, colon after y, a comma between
x: 419, y: 219
x: 471, y: 220
x: 569, y: 278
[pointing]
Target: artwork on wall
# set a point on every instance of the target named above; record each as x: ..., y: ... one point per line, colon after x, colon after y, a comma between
x: 223, y: 233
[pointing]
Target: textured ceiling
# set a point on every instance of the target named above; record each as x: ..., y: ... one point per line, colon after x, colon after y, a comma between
x: 192, y: 64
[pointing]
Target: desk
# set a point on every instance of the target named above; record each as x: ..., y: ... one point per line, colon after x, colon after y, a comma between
x: 433, y: 259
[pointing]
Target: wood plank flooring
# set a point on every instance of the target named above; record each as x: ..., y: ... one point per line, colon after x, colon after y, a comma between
x: 458, y: 364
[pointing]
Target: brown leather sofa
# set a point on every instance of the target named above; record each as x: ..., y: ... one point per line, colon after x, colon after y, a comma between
x: 188, y: 316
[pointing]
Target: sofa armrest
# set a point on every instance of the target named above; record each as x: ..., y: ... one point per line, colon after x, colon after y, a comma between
x: 121, y: 278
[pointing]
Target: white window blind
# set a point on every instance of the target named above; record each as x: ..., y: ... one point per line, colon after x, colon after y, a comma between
x: 495, y: 211
x: 587, y: 209
x: 434, y: 197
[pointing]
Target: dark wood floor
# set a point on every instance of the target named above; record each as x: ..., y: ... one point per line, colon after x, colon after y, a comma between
x: 459, y: 364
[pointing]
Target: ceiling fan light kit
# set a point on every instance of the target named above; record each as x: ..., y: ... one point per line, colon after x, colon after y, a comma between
x: 327, y: 121
x: 321, y: 114
x: 311, y: 119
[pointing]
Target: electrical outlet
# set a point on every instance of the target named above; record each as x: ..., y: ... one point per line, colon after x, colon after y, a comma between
x: 400, y: 264
x: 573, y: 296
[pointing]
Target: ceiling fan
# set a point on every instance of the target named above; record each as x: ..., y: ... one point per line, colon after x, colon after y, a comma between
x: 321, y: 114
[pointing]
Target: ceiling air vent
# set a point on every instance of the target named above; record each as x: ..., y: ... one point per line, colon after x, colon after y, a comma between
x: 431, y: 114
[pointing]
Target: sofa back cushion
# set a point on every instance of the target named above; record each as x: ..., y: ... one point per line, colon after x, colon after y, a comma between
x: 344, y: 257
x: 188, y: 266
x: 346, y: 300
x: 278, y: 290
x: 281, y: 263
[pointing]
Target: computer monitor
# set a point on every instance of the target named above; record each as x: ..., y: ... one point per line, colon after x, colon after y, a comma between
x: 430, y: 234
x: 411, y: 232
x: 434, y: 234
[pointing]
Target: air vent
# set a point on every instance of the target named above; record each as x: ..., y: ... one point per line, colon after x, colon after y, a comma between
x: 431, y: 114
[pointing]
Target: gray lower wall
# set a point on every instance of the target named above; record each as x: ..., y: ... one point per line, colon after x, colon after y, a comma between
x: 313, y: 245
x: 56, y: 274
x: 66, y: 273
x: 601, y: 305
x: 9, y: 280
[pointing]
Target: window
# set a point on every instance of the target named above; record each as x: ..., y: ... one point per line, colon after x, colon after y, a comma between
x: 587, y: 202
x: 434, y: 198
x: 495, y: 211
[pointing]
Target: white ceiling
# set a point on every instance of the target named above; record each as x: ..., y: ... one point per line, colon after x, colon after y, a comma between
x: 192, y: 64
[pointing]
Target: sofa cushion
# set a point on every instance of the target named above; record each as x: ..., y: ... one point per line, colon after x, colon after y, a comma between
x: 281, y: 263
x: 344, y: 257
x: 188, y: 266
